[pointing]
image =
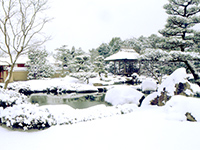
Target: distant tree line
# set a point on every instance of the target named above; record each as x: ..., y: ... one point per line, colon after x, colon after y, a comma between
x: 177, y: 46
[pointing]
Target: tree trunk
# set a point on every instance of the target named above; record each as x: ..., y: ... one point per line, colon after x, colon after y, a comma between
x: 9, y: 76
x: 193, y: 71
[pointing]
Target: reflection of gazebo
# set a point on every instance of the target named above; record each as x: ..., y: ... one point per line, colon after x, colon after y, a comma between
x: 125, y: 58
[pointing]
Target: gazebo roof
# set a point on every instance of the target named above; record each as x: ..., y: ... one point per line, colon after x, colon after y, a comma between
x: 124, y: 54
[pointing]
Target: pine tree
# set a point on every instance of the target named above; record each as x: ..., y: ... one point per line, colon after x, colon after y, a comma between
x: 179, y: 32
x: 64, y: 55
x: 38, y: 66
x: 99, y: 65
x: 81, y: 63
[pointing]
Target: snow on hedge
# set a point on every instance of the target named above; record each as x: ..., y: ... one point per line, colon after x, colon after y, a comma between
x: 10, y: 98
x: 120, y: 95
x: 26, y: 116
x: 16, y: 112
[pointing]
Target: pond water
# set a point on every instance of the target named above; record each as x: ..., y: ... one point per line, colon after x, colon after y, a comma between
x: 77, y: 101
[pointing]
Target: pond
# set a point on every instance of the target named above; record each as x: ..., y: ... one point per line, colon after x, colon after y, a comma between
x: 77, y: 101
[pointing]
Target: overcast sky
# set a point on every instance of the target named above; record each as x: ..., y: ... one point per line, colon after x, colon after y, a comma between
x: 89, y: 23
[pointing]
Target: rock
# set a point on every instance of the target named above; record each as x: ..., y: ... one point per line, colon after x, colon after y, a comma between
x: 124, y: 95
x: 26, y: 92
x: 170, y: 82
x: 190, y: 117
x: 175, y: 84
x: 97, y: 84
x: 161, y: 99
x: 183, y: 89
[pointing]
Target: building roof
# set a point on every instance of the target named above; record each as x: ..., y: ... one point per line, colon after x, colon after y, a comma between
x: 124, y: 54
x: 21, y: 60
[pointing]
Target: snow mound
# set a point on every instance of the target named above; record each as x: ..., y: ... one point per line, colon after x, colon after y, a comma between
x: 149, y: 85
x: 178, y: 106
x: 174, y: 84
x: 123, y: 95
x: 176, y: 77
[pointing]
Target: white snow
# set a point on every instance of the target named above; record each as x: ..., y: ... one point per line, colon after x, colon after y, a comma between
x: 169, y: 83
x: 141, y: 128
x: 129, y: 54
x: 149, y: 98
x: 178, y: 106
x: 123, y: 95
x: 68, y: 83
x: 149, y: 85
x: 144, y: 128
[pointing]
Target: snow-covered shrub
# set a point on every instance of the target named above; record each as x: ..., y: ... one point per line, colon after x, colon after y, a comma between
x: 26, y: 117
x: 149, y: 85
x: 123, y: 95
x: 8, y: 98
x: 16, y: 112
x: 84, y: 76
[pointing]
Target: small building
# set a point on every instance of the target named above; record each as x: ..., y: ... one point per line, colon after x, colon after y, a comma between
x: 125, y: 61
x: 20, y: 70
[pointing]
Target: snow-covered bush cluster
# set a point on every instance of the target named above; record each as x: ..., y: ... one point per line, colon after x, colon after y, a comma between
x: 8, y: 98
x: 16, y: 112
x: 26, y: 117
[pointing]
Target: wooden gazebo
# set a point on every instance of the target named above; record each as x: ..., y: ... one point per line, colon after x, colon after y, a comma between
x: 125, y: 59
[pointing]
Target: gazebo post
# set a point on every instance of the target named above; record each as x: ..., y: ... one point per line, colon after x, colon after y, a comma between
x: 119, y: 67
x: 124, y: 67
x: 115, y: 67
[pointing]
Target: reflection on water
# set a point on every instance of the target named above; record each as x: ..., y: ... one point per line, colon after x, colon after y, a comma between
x: 77, y: 101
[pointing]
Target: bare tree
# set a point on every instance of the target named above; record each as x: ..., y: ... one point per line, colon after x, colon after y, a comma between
x: 21, y: 22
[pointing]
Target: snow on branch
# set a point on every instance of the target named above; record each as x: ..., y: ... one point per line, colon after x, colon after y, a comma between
x: 173, y: 56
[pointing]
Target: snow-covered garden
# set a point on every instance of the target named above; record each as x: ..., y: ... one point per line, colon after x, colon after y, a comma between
x: 165, y: 119
x: 145, y: 97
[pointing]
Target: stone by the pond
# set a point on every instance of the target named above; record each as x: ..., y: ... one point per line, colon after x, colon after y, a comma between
x: 120, y: 95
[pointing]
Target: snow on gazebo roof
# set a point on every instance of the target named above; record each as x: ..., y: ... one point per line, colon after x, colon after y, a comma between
x: 124, y: 54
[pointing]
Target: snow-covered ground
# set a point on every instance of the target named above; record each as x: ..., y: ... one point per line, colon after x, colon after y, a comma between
x: 144, y: 129
x: 141, y: 128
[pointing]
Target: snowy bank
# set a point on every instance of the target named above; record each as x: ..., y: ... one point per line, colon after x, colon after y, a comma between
x: 179, y: 106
